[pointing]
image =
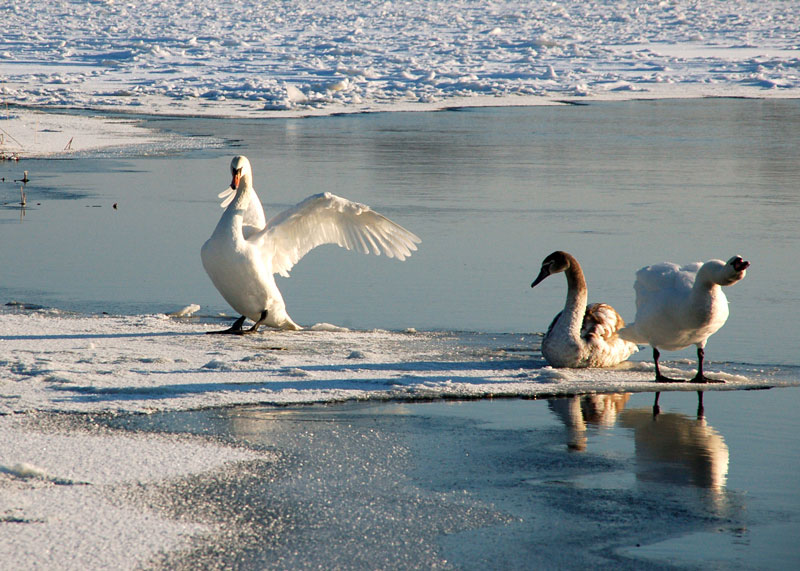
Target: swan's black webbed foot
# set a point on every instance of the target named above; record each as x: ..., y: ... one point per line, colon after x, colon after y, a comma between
x: 659, y: 377
x: 700, y: 377
x: 256, y: 325
x: 662, y: 379
x: 235, y: 329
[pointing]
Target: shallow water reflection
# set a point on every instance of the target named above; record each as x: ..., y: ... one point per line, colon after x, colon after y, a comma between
x: 579, y: 412
x: 670, y: 448
x: 674, y: 448
x: 471, y: 484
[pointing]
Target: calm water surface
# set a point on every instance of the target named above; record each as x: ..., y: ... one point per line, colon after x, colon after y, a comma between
x: 584, y: 482
x: 491, y: 192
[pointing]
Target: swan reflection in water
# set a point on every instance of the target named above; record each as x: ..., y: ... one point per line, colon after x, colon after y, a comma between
x: 670, y: 448
x: 578, y: 413
x: 677, y: 449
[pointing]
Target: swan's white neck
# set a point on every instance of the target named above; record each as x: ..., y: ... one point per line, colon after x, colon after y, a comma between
x: 231, y: 220
x: 705, y: 288
x: 242, y: 199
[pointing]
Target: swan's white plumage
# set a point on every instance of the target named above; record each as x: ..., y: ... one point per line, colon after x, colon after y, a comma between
x: 679, y: 306
x: 581, y: 335
x: 244, y: 252
x: 253, y: 218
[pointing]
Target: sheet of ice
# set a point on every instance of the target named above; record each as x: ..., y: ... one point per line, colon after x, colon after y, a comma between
x: 76, y: 363
x: 68, y: 484
x: 306, y: 57
x: 26, y: 133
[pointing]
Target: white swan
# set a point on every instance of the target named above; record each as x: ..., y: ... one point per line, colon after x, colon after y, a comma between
x: 245, y: 251
x: 581, y: 335
x: 681, y: 306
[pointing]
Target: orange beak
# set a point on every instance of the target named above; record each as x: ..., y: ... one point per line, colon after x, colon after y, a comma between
x: 235, y: 181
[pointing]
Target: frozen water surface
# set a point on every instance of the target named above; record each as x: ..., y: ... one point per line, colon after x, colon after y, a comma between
x: 582, y: 481
x: 149, y: 103
x: 491, y: 192
x: 212, y: 58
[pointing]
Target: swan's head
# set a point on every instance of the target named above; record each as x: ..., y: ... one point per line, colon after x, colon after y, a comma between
x: 240, y: 170
x: 727, y: 273
x: 554, y: 263
x: 735, y: 270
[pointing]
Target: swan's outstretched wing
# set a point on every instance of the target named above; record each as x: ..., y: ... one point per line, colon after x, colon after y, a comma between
x: 254, y: 219
x: 329, y: 219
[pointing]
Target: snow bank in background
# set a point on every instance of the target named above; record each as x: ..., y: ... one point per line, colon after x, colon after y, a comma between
x: 306, y: 57
x: 286, y: 59
x: 56, y: 362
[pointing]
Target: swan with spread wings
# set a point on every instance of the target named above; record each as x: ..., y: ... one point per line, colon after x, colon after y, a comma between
x: 245, y: 251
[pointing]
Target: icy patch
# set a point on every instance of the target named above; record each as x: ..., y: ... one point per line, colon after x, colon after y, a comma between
x: 328, y: 327
x: 187, y: 311
x: 123, y: 364
x: 57, y: 483
x: 28, y: 133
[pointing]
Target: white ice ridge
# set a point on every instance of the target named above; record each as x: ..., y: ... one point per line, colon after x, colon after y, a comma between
x: 245, y: 59
x: 51, y: 361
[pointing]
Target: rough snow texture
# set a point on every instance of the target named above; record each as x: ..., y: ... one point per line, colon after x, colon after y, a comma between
x: 52, y: 361
x: 230, y: 58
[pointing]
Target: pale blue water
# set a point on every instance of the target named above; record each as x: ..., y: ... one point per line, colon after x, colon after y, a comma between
x: 498, y: 484
x: 491, y: 192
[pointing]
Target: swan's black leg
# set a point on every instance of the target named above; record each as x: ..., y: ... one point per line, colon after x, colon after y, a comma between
x: 700, y: 377
x: 235, y: 329
x: 656, y: 408
x: 701, y: 410
x: 257, y: 324
x: 659, y: 377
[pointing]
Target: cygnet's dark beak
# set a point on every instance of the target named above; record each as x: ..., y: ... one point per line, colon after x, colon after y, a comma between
x: 542, y: 274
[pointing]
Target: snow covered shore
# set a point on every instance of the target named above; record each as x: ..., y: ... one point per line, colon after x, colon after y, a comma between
x: 63, y: 493
x: 53, y: 361
x: 68, y: 489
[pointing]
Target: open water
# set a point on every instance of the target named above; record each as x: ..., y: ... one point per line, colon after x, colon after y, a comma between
x: 491, y: 192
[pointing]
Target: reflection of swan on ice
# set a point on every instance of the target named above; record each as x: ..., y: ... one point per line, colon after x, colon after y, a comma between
x: 579, y: 412
x: 581, y: 335
x: 678, y: 449
x: 245, y: 251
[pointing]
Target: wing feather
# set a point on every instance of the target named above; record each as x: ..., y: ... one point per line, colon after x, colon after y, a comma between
x: 253, y: 219
x: 602, y: 320
x: 329, y: 219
